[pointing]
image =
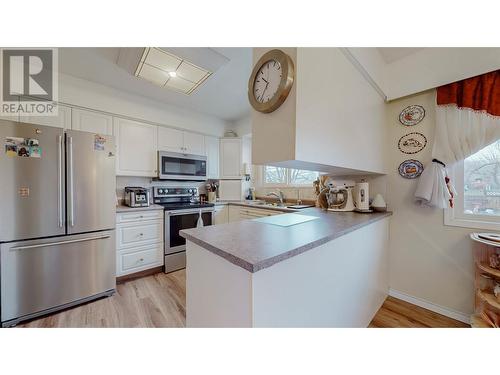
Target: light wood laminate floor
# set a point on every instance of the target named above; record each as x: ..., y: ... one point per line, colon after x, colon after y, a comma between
x: 395, y: 313
x: 152, y: 301
x: 160, y: 301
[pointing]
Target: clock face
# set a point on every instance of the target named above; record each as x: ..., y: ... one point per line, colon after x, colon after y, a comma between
x: 267, y: 81
x: 271, y: 81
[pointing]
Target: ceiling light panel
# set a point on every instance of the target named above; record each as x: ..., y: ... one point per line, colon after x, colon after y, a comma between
x: 162, y: 60
x: 170, y: 71
x: 154, y: 75
x: 190, y: 72
x: 180, y: 84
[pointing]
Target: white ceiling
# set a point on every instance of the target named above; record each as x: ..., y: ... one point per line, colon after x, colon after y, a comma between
x: 224, y: 94
x: 391, y: 54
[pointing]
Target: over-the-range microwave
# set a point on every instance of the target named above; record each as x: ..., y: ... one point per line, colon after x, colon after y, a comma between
x: 178, y: 166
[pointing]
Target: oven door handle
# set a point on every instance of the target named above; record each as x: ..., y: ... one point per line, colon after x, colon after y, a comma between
x: 190, y: 212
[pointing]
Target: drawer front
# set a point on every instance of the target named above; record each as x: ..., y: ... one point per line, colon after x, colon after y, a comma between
x: 144, y: 258
x: 137, y: 216
x: 139, y: 234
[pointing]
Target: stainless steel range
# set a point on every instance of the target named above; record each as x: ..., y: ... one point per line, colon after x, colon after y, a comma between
x: 182, y: 211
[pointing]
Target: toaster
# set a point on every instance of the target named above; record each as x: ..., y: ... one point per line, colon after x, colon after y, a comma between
x: 136, y: 196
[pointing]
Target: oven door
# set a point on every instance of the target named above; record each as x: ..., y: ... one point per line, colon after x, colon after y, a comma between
x: 175, y: 166
x: 182, y: 219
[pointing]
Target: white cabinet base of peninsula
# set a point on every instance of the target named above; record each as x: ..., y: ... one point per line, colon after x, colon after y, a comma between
x: 341, y: 283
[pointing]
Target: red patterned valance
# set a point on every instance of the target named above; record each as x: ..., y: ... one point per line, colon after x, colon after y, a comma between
x: 481, y: 93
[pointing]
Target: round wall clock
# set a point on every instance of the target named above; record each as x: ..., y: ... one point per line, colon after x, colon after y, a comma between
x: 271, y: 81
x: 412, y: 143
x: 410, y: 169
x: 412, y: 115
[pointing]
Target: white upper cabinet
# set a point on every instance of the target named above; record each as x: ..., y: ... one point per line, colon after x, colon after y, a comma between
x: 212, y: 150
x: 194, y: 143
x: 62, y: 120
x: 93, y: 122
x: 136, y: 144
x: 180, y: 141
x: 230, y: 158
x: 170, y: 139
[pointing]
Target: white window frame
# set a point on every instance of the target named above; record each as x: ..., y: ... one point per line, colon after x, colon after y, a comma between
x: 456, y: 217
x: 262, y: 183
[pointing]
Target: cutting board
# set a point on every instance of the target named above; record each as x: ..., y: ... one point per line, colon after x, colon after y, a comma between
x: 286, y: 220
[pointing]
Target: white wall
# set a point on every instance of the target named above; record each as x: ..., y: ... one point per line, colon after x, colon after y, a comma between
x: 340, y: 116
x: 243, y: 126
x: 427, y: 68
x: 88, y: 94
x: 273, y: 134
x: 428, y: 260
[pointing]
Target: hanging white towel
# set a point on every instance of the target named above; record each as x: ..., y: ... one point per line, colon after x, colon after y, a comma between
x: 200, y: 223
x: 432, y: 189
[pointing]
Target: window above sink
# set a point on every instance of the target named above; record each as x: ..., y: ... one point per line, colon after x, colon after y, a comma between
x: 278, y: 176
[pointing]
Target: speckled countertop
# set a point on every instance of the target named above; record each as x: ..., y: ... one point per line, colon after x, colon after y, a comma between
x: 254, y: 246
x: 122, y: 208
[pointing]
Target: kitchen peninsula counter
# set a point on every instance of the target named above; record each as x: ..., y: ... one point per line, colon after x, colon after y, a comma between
x: 254, y: 246
x: 331, y: 271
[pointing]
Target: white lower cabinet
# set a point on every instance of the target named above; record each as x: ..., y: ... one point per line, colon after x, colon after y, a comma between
x: 221, y: 214
x: 234, y: 214
x: 139, y: 241
x: 139, y: 259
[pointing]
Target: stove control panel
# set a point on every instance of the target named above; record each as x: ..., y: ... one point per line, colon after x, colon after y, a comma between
x: 172, y: 192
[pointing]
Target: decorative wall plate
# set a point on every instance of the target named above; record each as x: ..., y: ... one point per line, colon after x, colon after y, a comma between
x: 412, y: 143
x: 410, y: 169
x: 412, y: 115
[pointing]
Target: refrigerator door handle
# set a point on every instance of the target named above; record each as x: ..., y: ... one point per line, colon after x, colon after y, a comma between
x: 60, y: 242
x: 70, y: 190
x: 60, y: 180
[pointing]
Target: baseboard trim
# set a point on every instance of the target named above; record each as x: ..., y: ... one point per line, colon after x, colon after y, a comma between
x: 450, y: 313
x: 136, y: 275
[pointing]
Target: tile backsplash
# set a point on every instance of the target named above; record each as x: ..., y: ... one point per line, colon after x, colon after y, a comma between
x: 147, y: 182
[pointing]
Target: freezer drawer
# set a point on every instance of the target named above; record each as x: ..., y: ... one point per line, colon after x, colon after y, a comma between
x: 44, y: 274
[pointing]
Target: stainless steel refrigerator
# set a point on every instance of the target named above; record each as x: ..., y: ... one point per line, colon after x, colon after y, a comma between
x: 57, y: 219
